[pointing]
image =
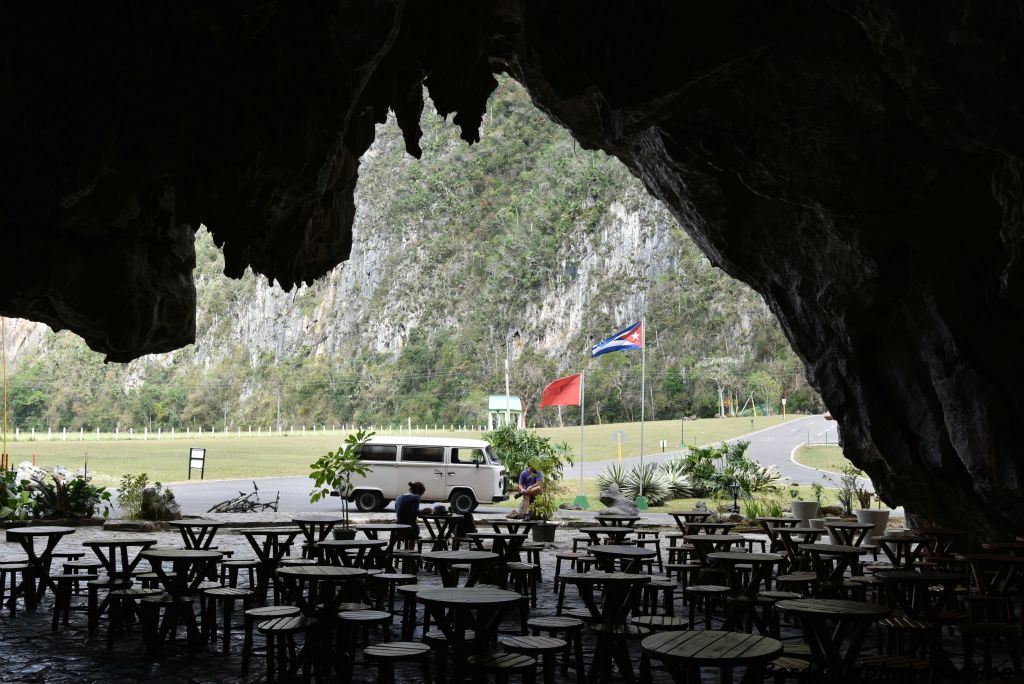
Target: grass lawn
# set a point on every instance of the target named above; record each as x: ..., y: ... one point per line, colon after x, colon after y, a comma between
x: 234, y: 457
x: 828, y: 458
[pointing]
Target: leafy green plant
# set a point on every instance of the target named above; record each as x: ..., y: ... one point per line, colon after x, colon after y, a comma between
x: 16, y: 502
x: 773, y: 508
x: 129, y: 494
x: 819, y: 490
x: 68, y: 497
x: 614, y: 474
x: 650, y: 480
x: 752, y: 508
x: 710, y: 470
x: 678, y: 481
x: 517, y: 449
x: 334, y: 470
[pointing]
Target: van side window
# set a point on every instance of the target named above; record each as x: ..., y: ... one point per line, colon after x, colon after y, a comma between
x: 377, y: 452
x: 423, y: 454
x: 469, y: 456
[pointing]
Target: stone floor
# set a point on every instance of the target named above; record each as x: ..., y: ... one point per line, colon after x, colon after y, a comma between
x: 29, y: 652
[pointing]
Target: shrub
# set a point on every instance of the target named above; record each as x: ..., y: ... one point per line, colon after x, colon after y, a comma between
x: 614, y: 474
x: 16, y: 502
x: 655, y: 485
x: 678, y: 481
x: 129, y: 494
x: 67, y: 497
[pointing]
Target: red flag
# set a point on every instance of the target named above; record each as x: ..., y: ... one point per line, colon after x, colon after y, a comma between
x: 562, y: 392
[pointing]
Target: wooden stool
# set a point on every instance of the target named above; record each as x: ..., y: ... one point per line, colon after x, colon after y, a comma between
x: 523, y: 578
x: 409, y: 594
x: 501, y: 665
x: 773, y: 615
x: 62, y: 599
x: 651, y: 591
x: 354, y: 622
x: 386, y: 655
x: 96, y: 607
x: 229, y: 572
x: 12, y: 570
x: 383, y: 587
x: 706, y: 595
x: 541, y: 647
x: 227, y: 596
x: 563, y: 556
x: 280, y: 633
x: 258, y: 615
x: 643, y: 542
x: 151, y: 580
x: 573, y: 630
x: 887, y: 663
x: 783, y: 667
x: 660, y: 623
x: 799, y: 582
x: 123, y: 606
x: 531, y: 552
x: 684, y: 572
x: 177, y: 611
x: 410, y: 560
x: 84, y: 568
x: 438, y: 643
x: 580, y: 539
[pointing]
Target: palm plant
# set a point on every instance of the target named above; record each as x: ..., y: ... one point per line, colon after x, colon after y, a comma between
x: 678, y: 480
x: 614, y: 474
x: 649, y: 480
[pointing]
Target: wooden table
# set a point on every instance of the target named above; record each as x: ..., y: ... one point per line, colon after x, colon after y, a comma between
x: 444, y: 560
x: 708, y: 527
x: 382, y: 558
x: 629, y: 557
x: 761, y: 569
x: 684, y: 653
x: 112, y: 554
x: 349, y: 553
x: 189, y: 567
x: 620, y: 597
x: 941, y: 550
x: 849, y: 533
x: 995, y: 574
x: 318, y: 591
x: 512, y: 526
x: 458, y: 610
x: 38, y: 562
x: 315, y: 528
x: 903, y: 548
x: 617, y: 520
x: 270, y: 548
x: 771, y: 523
x: 834, y: 629
x: 703, y: 544
x: 791, y: 546
x: 197, y: 534
x: 441, y: 529
x: 910, y: 590
x: 615, y: 535
x: 822, y: 557
x: 683, y: 518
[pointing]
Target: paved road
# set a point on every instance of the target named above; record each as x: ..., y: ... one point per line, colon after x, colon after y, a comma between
x: 771, y: 446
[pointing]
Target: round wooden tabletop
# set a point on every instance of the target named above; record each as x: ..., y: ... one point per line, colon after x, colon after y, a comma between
x: 382, y: 527
x: 608, y: 530
x: 850, y: 525
x: 459, y: 556
x: 603, y: 577
x: 318, y: 518
x: 620, y: 551
x: 922, y: 576
x: 733, y: 556
x: 252, y: 531
x: 837, y: 607
x: 199, y: 522
x: 496, y: 535
x: 777, y: 519
x: 902, y: 537
x: 716, y: 538
x: 690, y: 514
x: 39, y: 531
x: 712, y: 647
x: 180, y: 554
x: 121, y: 541
x: 321, y: 572
x: 801, y: 530
x: 469, y: 596
x: 833, y: 549
x: 618, y: 518
x: 352, y: 543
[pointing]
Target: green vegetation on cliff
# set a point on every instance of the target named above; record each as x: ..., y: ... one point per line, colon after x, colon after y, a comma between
x: 524, y: 238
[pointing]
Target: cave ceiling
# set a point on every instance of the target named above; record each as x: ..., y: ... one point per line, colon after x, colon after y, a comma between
x: 857, y: 163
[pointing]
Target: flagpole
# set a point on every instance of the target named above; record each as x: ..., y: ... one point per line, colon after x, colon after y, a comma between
x: 582, y: 386
x: 643, y: 394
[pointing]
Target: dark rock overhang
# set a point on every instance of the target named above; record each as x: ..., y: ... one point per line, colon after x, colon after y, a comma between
x: 859, y: 164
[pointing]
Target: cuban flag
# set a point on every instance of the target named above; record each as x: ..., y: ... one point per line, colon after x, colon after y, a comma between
x: 626, y: 339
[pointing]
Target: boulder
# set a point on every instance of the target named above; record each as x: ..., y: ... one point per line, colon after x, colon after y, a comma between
x: 158, y: 503
x: 616, y: 503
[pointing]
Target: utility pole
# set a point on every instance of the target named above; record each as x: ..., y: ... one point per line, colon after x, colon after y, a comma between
x: 508, y: 409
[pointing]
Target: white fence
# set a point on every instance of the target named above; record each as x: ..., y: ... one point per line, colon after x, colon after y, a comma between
x: 251, y: 431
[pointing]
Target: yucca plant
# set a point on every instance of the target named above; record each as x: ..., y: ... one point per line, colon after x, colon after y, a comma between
x: 614, y: 474
x: 677, y: 478
x: 655, y: 485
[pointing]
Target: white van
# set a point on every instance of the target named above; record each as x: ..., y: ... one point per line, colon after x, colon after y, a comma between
x: 463, y: 472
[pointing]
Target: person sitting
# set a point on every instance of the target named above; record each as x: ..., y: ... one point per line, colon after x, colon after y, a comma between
x: 407, y: 510
x: 531, y: 483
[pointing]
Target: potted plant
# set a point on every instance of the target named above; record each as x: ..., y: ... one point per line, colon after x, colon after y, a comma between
x: 879, y: 517
x: 333, y: 472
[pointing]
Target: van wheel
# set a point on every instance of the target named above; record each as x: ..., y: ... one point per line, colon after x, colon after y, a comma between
x: 369, y: 501
x: 462, y: 501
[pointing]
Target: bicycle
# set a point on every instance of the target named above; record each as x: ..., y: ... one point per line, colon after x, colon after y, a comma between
x: 246, y: 503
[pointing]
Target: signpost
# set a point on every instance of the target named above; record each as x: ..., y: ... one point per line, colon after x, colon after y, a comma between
x: 196, y: 459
